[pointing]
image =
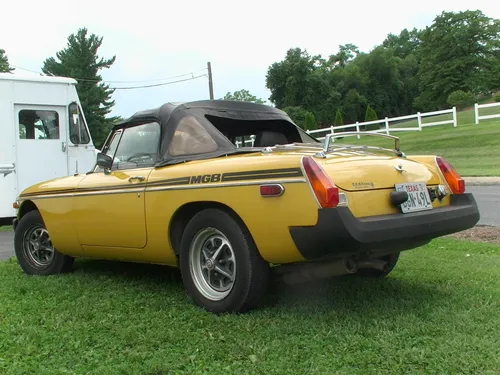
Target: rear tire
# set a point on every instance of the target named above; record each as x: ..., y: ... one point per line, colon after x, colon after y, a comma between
x: 391, y: 260
x: 34, y: 250
x: 221, y: 267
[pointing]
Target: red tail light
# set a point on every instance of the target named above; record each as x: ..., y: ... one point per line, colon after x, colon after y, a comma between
x: 326, y: 192
x: 455, y: 182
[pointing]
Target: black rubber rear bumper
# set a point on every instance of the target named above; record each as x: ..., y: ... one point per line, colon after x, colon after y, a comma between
x: 338, y: 232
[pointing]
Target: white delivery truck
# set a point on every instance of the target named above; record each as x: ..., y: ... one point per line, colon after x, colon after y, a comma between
x: 43, y: 135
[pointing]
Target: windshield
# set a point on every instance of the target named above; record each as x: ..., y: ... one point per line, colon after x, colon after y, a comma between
x: 133, y: 147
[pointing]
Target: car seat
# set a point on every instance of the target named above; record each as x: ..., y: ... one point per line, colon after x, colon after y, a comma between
x: 269, y: 138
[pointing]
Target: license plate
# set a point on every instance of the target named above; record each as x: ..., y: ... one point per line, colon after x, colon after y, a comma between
x: 418, y: 197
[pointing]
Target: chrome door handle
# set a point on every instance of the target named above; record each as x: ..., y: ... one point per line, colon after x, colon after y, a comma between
x: 63, y: 146
x: 138, y: 178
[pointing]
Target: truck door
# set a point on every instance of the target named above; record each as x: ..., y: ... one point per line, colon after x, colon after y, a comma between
x: 81, y: 151
x: 41, y: 144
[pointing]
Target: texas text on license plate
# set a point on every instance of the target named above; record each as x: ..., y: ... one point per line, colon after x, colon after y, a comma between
x: 418, y: 197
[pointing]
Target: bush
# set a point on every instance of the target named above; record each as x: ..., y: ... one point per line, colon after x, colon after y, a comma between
x: 497, y: 97
x: 371, y: 115
x: 310, y: 121
x: 339, y: 120
x: 460, y: 99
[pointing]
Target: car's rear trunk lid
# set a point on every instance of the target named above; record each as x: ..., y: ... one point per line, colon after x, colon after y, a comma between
x: 369, y: 172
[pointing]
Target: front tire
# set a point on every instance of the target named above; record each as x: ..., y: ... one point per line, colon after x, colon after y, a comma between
x: 220, y: 265
x: 34, y: 250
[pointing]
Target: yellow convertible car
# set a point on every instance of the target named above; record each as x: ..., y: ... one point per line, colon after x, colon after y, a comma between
x: 233, y: 193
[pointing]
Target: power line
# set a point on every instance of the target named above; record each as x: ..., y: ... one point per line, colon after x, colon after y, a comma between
x: 157, y: 84
x: 142, y: 81
x: 139, y: 81
x: 28, y: 70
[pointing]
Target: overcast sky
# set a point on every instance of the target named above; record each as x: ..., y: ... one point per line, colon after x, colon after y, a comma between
x: 156, y: 40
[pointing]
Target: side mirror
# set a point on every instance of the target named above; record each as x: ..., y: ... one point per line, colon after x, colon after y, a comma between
x: 104, y: 161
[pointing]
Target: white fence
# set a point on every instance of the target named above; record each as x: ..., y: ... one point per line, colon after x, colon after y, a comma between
x: 386, y: 124
x: 246, y: 143
x: 477, y: 107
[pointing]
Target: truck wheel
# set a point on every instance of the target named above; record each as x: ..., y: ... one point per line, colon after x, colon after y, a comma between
x: 221, y: 267
x: 34, y: 250
x: 391, y: 260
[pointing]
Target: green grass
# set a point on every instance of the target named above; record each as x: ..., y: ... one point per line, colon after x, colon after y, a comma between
x: 437, y: 313
x: 474, y: 150
x: 5, y: 228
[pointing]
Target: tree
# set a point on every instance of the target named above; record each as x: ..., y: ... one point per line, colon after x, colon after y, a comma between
x: 383, y: 85
x: 346, y: 54
x: 80, y: 61
x: 346, y: 80
x: 4, y: 63
x: 290, y: 80
x: 353, y: 106
x: 310, y: 121
x: 371, y: 115
x: 301, y: 80
x: 409, y: 81
x: 243, y: 96
x: 460, y: 99
x: 339, y: 120
x: 404, y: 44
x: 410, y: 71
x: 459, y: 51
x: 298, y: 115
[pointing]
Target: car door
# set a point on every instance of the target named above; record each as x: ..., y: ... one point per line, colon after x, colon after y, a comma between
x: 109, y: 205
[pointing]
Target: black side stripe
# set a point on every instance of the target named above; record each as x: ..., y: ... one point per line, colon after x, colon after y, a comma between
x: 50, y: 192
x: 226, y: 177
x: 236, y: 176
x: 112, y: 187
x: 85, y: 190
x: 269, y: 173
x: 171, y: 181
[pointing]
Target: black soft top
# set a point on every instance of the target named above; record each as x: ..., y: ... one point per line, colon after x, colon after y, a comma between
x: 218, y: 118
x: 227, y: 108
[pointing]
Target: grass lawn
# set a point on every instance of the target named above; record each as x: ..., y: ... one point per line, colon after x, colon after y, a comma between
x: 474, y: 150
x: 5, y: 228
x: 437, y: 313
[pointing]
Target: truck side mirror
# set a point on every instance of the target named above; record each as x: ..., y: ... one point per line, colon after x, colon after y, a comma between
x: 104, y: 161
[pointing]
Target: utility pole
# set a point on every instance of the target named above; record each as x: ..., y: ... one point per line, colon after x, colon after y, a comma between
x: 210, y: 83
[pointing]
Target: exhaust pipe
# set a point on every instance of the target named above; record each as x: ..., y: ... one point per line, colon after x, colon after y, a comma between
x: 311, y: 271
x: 377, y: 264
x: 299, y: 273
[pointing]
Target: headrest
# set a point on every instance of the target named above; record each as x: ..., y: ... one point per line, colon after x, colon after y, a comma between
x: 269, y: 138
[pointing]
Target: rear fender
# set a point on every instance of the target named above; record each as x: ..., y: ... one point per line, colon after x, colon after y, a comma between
x: 430, y: 162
